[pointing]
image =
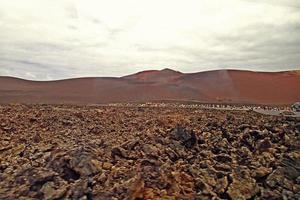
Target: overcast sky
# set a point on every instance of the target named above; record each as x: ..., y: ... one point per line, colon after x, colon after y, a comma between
x: 55, y: 39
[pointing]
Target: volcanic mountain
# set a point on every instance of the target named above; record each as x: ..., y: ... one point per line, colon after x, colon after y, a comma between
x: 224, y: 86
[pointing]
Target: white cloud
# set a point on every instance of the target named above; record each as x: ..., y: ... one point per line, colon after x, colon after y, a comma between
x: 42, y: 39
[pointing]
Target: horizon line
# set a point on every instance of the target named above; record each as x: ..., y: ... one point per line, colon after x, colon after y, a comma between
x: 150, y: 70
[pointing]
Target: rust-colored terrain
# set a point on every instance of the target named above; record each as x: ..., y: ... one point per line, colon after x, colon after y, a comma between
x: 115, y: 152
x: 226, y: 86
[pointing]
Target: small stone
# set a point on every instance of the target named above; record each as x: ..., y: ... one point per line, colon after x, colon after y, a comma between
x: 275, y: 178
x: 261, y: 172
x: 118, y: 151
x: 270, y: 194
x: 188, y: 138
x: 221, y: 185
x: 223, y: 167
x: 36, y: 138
x: 264, y: 144
x: 150, y: 150
x: 74, y: 164
x: 107, y: 165
x: 296, y: 188
x: 224, y: 158
x: 242, y: 188
x: 51, y: 193
x: 286, y: 194
x: 102, y: 178
x: 243, y: 126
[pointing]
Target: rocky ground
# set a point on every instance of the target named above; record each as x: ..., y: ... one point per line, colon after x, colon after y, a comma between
x: 103, y: 152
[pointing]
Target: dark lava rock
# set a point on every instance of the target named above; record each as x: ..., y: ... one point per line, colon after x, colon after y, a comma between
x: 74, y: 164
x: 286, y: 174
x: 119, y: 151
x: 223, y: 158
x: 188, y: 138
x: 264, y: 144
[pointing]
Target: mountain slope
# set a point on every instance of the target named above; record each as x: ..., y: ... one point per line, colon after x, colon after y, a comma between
x: 231, y: 86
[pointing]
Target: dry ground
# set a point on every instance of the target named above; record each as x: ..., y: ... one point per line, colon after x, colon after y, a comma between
x: 102, y: 152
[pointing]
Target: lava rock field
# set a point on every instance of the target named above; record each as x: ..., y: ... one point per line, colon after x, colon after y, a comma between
x: 108, y: 152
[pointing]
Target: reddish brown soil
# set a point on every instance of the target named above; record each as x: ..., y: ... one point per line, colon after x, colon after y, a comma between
x: 230, y: 86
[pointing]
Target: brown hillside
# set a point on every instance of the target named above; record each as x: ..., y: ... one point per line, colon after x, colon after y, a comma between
x: 230, y: 86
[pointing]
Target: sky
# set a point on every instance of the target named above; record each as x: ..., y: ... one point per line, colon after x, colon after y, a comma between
x: 58, y: 39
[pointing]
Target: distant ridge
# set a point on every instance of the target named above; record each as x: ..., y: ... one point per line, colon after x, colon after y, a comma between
x: 224, y: 86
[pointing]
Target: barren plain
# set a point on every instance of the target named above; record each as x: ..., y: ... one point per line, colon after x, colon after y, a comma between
x: 107, y: 152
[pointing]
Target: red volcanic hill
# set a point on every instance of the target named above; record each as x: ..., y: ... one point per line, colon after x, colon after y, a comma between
x: 227, y: 86
x: 167, y: 76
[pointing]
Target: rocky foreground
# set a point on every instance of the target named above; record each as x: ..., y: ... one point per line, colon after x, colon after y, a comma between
x: 72, y: 152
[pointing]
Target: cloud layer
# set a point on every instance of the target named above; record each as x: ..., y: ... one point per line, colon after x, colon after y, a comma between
x: 46, y: 40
